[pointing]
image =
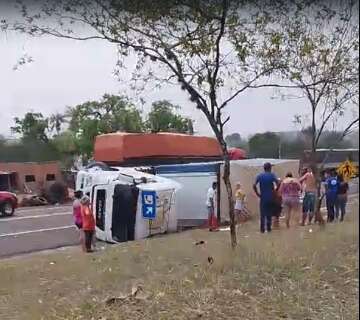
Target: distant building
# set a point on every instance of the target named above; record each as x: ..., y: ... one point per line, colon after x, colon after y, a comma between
x: 29, y: 176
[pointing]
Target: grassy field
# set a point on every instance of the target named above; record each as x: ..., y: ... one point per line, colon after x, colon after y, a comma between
x: 303, y: 273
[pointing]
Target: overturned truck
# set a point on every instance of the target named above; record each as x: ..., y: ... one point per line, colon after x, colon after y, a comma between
x: 128, y: 204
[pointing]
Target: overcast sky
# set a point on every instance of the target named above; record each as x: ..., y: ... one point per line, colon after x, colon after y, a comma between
x: 67, y: 72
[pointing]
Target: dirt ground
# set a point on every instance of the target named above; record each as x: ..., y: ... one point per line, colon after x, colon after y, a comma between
x: 303, y: 273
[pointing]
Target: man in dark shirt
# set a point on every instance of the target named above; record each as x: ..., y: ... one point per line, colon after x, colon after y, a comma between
x: 340, y: 205
x: 332, y: 186
x: 267, y: 182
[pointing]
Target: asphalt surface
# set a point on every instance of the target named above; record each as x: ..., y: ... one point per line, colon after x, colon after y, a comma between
x: 37, y: 228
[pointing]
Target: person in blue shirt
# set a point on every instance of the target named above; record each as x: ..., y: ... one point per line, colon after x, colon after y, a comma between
x: 331, y: 187
x: 267, y: 182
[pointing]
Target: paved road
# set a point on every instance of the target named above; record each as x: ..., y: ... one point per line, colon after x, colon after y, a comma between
x: 36, y: 229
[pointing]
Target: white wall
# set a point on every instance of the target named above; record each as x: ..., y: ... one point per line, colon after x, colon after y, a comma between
x: 191, y: 198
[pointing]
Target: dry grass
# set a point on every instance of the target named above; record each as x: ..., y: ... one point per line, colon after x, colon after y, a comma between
x: 289, y: 274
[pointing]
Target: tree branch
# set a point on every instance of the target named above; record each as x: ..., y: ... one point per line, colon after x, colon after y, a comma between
x: 348, y: 128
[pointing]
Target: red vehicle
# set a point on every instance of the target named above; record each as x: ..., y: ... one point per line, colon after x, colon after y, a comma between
x: 8, y: 203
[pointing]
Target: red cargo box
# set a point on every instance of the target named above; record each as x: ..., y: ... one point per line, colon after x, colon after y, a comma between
x: 123, y: 148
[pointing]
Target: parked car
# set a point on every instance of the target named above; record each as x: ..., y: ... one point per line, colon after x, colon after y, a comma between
x: 8, y: 203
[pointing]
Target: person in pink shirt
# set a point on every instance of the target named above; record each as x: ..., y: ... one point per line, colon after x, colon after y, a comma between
x: 289, y: 190
x: 77, y: 216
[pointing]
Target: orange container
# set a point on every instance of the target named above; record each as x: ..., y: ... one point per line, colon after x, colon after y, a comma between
x: 117, y: 148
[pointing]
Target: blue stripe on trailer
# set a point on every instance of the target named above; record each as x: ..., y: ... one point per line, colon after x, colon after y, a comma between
x: 188, y: 168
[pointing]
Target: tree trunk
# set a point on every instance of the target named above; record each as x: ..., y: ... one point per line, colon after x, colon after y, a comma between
x: 226, y: 178
x: 318, y: 199
x: 314, y: 166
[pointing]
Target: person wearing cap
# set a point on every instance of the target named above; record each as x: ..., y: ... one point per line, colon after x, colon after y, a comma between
x: 267, y: 182
x: 88, y: 222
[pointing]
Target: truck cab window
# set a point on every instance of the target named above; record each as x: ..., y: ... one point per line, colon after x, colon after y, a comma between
x: 100, y: 209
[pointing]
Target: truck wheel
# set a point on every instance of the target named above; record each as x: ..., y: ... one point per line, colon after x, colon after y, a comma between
x: 7, y: 209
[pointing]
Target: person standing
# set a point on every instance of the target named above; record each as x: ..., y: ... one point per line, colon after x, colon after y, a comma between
x: 277, y: 208
x: 309, y: 182
x: 341, y: 200
x: 267, y: 182
x: 77, y: 216
x: 290, y: 189
x: 88, y: 222
x: 239, y: 203
x: 332, y: 186
x: 210, y: 204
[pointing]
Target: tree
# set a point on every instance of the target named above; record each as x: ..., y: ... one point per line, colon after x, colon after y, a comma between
x: 234, y: 140
x: 213, y: 50
x: 33, y: 126
x: 264, y: 145
x: 56, y: 121
x: 162, y: 118
x: 2, y: 140
x: 333, y: 140
x: 110, y: 114
x: 319, y: 45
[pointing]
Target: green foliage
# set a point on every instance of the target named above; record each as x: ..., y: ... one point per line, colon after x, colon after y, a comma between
x: 162, y: 118
x: 264, y: 145
x: 87, y: 120
x: 56, y: 121
x: 28, y: 151
x: 32, y: 127
x: 234, y: 140
x: 333, y: 139
x: 110, y: 114
x: 65, y: 143
x: 291, y: 145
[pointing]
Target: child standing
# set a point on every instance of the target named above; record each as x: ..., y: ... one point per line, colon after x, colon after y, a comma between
x: 239, y: 203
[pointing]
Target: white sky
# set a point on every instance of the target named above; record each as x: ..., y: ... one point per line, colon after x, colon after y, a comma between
x: 67, y: 72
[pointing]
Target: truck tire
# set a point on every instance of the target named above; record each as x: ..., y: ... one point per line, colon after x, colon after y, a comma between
x: 7, y: 209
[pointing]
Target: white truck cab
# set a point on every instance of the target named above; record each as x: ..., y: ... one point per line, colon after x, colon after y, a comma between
x: 129, y: 204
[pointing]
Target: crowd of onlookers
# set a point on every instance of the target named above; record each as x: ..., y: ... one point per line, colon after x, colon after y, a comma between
x: 288, y: 196
x: 283, y: 196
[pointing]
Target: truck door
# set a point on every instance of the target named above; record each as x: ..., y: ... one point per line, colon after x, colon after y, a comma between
x: 100, y: 201
x: 124, y: 210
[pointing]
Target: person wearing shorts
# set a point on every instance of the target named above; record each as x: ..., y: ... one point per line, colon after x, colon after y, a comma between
x: 309, y: 186
x: 290, y: 189
x: 239, y: 203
